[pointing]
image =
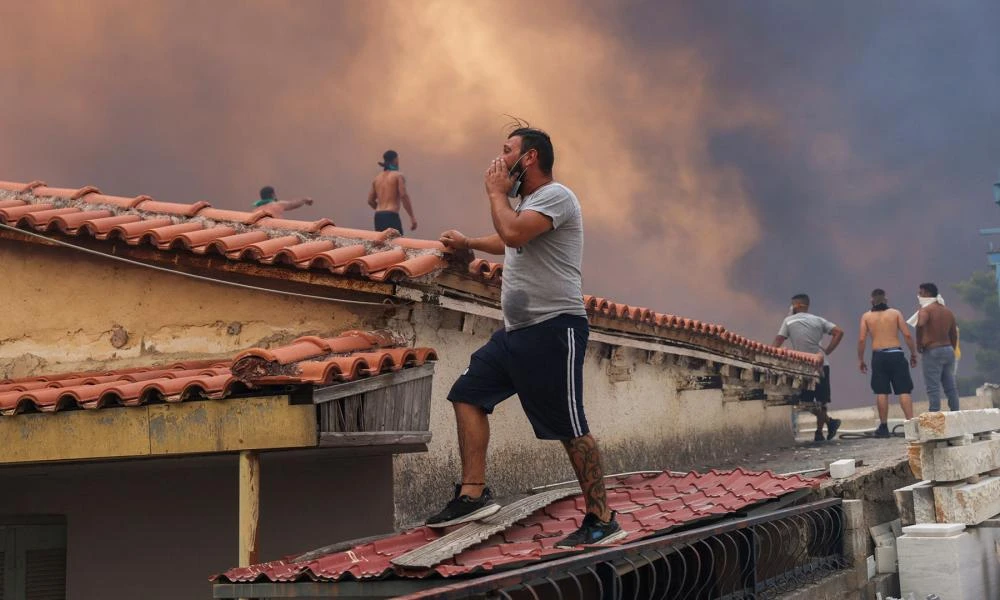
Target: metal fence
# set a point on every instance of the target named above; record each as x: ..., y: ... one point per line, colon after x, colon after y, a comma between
x: 752, y: 557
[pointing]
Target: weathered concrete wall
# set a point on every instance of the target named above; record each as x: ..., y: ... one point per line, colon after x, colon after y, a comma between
x: 642, y: 422
x: 69, y: 311
x: 158, y: 529
x: 75, y: 312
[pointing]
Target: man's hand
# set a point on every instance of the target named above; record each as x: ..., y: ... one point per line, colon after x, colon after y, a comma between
x: 413, y: 223
x: 913, y: 361
x: 308, y: 201
x: 498, y: 178
x: 863, y: 367
x: 452, y: 239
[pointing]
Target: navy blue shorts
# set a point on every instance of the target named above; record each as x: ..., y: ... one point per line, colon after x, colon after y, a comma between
x: 543, y: 365
x: 388, y: 219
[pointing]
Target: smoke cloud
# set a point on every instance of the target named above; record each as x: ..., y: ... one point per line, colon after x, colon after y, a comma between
x: 726, y: 155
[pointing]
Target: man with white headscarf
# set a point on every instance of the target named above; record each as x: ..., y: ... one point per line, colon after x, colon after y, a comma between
x: 937, y: 340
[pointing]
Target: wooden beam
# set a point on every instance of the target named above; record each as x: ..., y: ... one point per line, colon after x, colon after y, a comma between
x: 249, y: 507
x: 373, y: 438
x: 352, y: 388
x: 194, y: 427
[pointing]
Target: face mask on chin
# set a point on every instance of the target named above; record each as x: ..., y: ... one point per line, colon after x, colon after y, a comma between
x: 925, y: 302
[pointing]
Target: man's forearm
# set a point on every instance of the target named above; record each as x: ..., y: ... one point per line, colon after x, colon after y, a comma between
x: 408, y: 207
x: 503, y: 216
x: 837, y: 336
x: 862, y: 344
x: 491, y: 244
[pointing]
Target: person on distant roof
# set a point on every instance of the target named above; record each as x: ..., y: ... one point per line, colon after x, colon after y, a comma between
x: 388, y: 192
x: 269, y: 201
x: 539, y: 352
x: 889, y: 369
x: 937, y: 340
x: 804, y: 331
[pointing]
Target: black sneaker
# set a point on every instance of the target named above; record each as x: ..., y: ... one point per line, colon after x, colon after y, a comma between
x: 463, y: 509
x: 831, y: 428
x: 594, y: 531
x: 882, y: 431
x: 819, y: 437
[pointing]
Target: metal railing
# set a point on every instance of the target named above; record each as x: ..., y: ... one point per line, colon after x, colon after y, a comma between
x: 752, y: 557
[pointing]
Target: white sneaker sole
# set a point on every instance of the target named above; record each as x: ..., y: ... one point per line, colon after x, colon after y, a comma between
x: 482, y: 513
x: 614, y: 537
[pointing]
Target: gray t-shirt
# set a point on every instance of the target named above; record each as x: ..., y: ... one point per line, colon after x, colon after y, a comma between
x: 543, y: 279
x: 804, y: 331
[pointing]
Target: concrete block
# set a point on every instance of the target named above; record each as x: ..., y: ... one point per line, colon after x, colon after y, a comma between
x: 886, y: 559
x: 948, y: 566
x: 943, y: 425
x: 854, y: 514
x: 934, y: 530
x: 841, y: 469
x: 955, y: 462
x: 968, y: 503
x: 905, y: 502
x: 856, y: 546
x: 883, y: 586
x: 885, y: 534
x: 923, y: 504
x: 872, y: 568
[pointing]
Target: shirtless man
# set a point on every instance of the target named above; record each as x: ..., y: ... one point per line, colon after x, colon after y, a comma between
x: 387, y: 193
x: 889, y: 371
x: 270, y: 203
x: 937, y: 338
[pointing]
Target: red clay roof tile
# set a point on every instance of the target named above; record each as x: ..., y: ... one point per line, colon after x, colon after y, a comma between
x: 648, y: 505
x: 358, y: 353
x: 380, y: 256
x: 173, y: 226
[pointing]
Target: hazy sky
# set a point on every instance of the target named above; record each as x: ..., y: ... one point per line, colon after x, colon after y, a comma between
x: 727, y: 154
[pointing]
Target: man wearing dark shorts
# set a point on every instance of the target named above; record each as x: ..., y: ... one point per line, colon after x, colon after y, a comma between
x: 804, y: 331
x: 890, y: 371
x: 388, y: 193
x: 539, y: 353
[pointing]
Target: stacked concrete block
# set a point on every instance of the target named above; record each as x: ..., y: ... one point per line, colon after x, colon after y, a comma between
x: 957, y: 454
x: 943, y: 550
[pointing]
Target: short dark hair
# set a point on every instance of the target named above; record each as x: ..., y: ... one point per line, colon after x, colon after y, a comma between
x: 267, y: 193
x: 539, y: 141
x: 878, y: 297
x: 930, y: 288
x: 878, y: 292
x: 803, y: 298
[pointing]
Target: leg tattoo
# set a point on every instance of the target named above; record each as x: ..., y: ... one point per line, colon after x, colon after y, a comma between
x: 586, y: 460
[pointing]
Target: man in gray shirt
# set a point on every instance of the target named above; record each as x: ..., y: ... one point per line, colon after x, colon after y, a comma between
x: 539, y: 352
x: 805, y: 331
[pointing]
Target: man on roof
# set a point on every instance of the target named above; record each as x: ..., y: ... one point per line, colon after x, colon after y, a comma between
x: 937, y: 340
x: 890, y: 373
x: 269, y: 202
x: 539, y: 352
x: 388, y: 192
x: 805, y: 331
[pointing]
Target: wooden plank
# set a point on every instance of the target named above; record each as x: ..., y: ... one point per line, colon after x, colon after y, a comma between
x: 74, y: 435
x: 249, y: 507
x: 471, y: 534
x: 158, y: 430
x: 342, y: 390
x: 230, y: 425
x: 372, y: 438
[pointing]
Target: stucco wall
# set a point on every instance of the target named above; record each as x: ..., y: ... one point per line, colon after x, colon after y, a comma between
x: 68, y: 305
x: 158, y: 529
x: 67, y: 311
x: 642, y: 423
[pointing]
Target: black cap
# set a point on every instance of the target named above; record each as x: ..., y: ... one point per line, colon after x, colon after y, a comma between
x: 387, y: 157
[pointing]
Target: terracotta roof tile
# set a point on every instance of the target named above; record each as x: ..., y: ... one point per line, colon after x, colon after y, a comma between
x: 256, y: 236
x: 648, y: 505
x: 307, y: 245
x: 356, y: 354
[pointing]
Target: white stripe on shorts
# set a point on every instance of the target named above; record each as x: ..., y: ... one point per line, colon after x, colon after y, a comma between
x: 571, y: 382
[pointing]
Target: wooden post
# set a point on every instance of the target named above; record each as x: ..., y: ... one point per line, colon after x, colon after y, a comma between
x: 249, y: 506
